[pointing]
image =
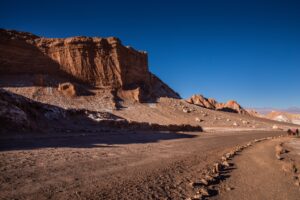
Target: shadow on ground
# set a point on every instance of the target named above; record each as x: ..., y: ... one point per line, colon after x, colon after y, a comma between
x: 88, y: 140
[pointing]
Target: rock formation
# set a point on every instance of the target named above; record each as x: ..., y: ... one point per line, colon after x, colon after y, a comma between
x: 230, y: 106
x: 99, y: 62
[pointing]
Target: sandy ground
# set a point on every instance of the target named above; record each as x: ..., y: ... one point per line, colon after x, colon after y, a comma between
x: 137, y: 165
x: 257, y: 174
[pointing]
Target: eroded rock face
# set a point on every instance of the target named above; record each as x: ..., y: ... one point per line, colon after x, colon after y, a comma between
x: 230, y: 106
x: 202, y: 101
x: 100, y: 62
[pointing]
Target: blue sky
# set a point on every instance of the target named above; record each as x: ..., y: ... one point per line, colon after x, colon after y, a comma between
x: 243, y: 50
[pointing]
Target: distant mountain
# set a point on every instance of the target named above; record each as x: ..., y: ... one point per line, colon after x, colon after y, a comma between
x: 284, y: 117
x: 290, y: 115
x: 266, y: 110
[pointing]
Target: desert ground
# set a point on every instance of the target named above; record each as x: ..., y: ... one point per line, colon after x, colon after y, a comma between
x: 143, y: 165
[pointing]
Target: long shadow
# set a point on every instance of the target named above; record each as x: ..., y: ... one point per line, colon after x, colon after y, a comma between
x: 100, y: 140
x: 52, y: 126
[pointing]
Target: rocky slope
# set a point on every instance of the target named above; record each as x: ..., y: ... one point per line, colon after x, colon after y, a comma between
x: 210, y: 103
x: 94, y: 61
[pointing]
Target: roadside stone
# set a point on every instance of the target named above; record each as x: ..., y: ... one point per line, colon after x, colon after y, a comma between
x: 204, y: 181
x: 197, y: 197
x: 278, y: 157
x: 204, y: 192
x: 217, y: 167
x: 226, y: 164
x: 210, y: 178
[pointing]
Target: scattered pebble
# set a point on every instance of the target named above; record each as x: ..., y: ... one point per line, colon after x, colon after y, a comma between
x: 197, y: 119
x: 245, y: 122
x: 229, y: 188
x: 235, y: 124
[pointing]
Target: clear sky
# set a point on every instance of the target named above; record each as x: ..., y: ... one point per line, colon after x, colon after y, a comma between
x: 245, y: 50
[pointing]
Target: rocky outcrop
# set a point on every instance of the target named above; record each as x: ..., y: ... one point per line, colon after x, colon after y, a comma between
x: 210, y: 103
x: 202, y: 101
x: 99, y: 62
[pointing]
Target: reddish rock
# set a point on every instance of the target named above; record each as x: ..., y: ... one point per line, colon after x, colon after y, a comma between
x: 100, y: 62
x: 202, y: 101
x: 230, y: 106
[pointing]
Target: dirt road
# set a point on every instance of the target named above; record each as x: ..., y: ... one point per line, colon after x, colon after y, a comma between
x: 259, y: 175
x: 143, y: 165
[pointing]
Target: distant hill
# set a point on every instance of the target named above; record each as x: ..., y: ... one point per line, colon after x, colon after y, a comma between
x: 284, y: 117
x: 266, y: 110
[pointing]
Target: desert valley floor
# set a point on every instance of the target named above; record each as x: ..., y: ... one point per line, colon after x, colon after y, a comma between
x: 141, y: 165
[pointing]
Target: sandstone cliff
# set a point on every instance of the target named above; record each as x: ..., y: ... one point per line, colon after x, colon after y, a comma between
x: 99, y: 62
x: 210, y: 103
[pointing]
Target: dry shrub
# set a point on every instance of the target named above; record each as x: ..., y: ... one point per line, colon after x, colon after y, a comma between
x: 67, y: 89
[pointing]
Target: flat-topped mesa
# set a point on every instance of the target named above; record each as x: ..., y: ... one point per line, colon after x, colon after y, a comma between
x: 101, y: 62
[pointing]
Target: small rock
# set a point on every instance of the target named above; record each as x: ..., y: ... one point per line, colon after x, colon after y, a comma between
x: 197, y: 196
x: 297, y: 183
x: 229, y: 188
x: 185, y: 110
x: 204, y: 192
x: 210, y: 178
x: 235, y: 124
x: 204, y: 181
x: 275, y: 127
x: 217, y: 167
x: 228, y: 120
x: 204, y: 114
x: 197, y: 119
x: 245, y: 122
x: 225, y: 163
